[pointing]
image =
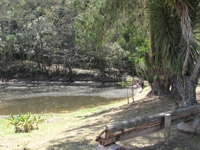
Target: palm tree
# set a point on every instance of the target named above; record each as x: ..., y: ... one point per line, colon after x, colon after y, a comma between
x: 173, y: 23
x: 182, y: 9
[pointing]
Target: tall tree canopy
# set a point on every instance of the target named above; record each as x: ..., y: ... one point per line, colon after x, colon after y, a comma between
x: 175, y: 49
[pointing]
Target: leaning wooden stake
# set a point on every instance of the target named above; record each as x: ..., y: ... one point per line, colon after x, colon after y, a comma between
x: 167, y: 128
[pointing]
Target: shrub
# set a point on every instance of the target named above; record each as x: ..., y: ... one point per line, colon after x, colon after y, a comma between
x: 38, y: 120
x: 15, y: 122
x: 24, y: 123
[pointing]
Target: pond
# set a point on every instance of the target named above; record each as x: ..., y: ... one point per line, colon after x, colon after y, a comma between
x: 49, y: 104
x: 57, y: 97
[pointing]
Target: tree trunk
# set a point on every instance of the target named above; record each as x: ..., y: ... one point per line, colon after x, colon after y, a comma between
x: 42, y: 51
x: 185, y: 90
x: 161, y: 85
x: 190, y: 81
x: 152, y: 52
x: 177, y: 87
x: 102, y: 68
x: 3, y: 32
x: 189, y: 92
x: 132, y: 87
x: 190, y: 84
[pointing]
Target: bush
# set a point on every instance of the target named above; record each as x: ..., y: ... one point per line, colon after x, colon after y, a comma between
x: 24, y: 123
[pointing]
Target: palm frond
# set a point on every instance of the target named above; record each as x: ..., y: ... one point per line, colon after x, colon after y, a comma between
x: 171, y: 45
x: 167, y: 32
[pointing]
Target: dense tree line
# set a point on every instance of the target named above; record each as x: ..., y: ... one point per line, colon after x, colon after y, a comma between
x: 47, y: 33
x: 41, y: 32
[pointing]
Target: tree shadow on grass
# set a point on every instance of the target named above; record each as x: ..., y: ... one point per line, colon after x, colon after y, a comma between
x: 178, y: 141
x: 87, y: 132
x: 64, y: 144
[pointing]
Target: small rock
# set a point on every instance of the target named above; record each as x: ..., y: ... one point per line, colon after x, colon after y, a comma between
x: 192, y: 127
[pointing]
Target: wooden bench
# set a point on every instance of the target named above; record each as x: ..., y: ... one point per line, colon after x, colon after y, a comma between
x: 143, y: 125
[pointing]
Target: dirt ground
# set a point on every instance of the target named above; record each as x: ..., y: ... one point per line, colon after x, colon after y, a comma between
x: 79, y: 132
x: 29, y: 89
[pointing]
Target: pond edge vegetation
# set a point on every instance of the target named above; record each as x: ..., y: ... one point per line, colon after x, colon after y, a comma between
x: 24, y: 122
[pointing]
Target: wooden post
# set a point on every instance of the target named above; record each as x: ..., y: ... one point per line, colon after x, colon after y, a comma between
x: 167, y: 128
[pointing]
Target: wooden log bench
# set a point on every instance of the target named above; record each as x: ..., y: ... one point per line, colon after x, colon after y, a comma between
x: 143, y: 125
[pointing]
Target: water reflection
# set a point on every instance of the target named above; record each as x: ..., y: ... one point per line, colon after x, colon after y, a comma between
x: 39, y: 105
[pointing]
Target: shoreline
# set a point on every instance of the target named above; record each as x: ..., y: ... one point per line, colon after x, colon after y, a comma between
x: 29, y: 89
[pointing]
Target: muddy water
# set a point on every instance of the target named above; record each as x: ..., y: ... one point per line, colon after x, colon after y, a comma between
x: 56, y: 97
x: 41, y: 105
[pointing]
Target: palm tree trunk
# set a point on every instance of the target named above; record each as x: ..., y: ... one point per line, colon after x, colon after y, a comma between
x: 189, y: 92
x: 191, y: 83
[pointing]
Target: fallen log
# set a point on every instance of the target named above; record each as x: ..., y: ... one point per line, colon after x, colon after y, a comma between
x: 143, y: 125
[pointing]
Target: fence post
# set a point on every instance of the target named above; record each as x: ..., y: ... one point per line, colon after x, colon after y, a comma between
x: 167, y: 129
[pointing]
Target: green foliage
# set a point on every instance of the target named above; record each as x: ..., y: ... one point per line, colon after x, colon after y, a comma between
x: 150, y: 79
x: 97, y: 34
x: 24, y: 123
x: 106, y: 31
x: 171, y: 47
x: 130, y: 81
x: 15, y: 122
x: 38, y: 120
x: 123, y: 84
x: 127, y: 82
x: 156, y: 77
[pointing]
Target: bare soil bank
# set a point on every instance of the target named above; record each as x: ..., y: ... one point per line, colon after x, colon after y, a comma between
x: 27, y: 89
